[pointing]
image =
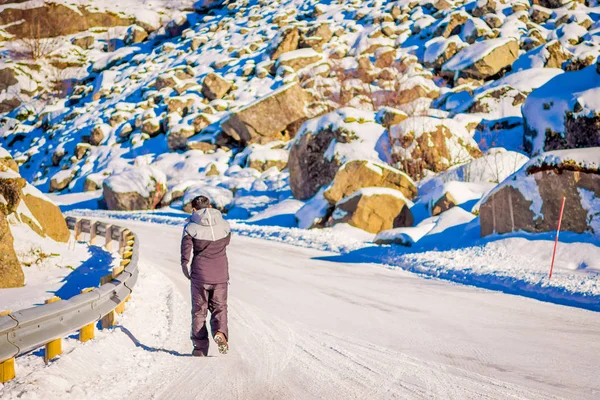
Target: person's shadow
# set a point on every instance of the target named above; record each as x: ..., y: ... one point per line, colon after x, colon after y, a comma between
x: 148, y: 348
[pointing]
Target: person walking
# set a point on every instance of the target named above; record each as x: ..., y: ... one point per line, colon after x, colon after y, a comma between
x: 206, y: 235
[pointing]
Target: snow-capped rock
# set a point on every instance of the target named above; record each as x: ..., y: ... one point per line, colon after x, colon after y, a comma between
x: 135, y: 188
x: 530, y: 200
x: 325, y: 143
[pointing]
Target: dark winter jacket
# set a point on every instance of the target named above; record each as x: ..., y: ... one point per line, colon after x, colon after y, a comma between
x: 206, y: 235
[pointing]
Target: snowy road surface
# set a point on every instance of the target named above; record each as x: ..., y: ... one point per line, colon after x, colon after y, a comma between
x: 303, y: 327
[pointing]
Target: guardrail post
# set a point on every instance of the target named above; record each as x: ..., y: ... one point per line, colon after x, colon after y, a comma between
x: 108, y: 238
x: 7, y: 370
x: 109, y: 319
x: 123, y: 240
x: 87, y: 332
x: 53, y: 348
x: 120, y: 309
x: 7, y: 367
x: 78, y: 230
x: 93, y: 233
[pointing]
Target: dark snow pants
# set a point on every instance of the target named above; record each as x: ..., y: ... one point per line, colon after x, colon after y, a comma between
x: 206, y: 298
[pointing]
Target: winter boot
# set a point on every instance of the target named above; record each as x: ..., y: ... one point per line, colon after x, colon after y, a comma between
x: 199, y: 353
x: 221, y: 342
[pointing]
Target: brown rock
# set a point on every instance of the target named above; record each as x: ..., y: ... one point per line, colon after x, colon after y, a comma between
x: 9, y: 163
x: 454, y: 25
x: 81, y: 150
x: 549, y: 3
x: 215, y: 87
x: 60, y: 181
x: 85, y: 41
x: 55, y: 19
x: 488, y: 7
x: 97, y: 135
x: 177, y: 139
x: 445, y: 203
x: 390, y: 116
x: 180, y: 105
x: 540, y: 15
x: 135, y: 34
x: 373, y: 211
x: 152, y: 127
x: 11, y: 274
x: 309, y: 169
x: 415, y: 151
x: 128, y: 201
x: 205, y: 147
x: 265, y: 120
x: 298, y: 61
x: 355, y: 175
x: 289, y: 42
x: 50, y: 218
x: 90, y: 185
x: 11, y: 190
x: 507, y: 209
x: 490, y: 63
x: 166, y: 80
x: 557, y: 54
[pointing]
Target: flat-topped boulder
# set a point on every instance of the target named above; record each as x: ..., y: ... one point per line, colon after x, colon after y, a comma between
x: 135, y: 188
x: 267, y: 118
x: 483, y: 60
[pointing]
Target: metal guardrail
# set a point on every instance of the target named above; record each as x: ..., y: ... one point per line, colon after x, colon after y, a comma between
x: 29, y: 329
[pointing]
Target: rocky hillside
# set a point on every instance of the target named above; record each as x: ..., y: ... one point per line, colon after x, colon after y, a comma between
x: 377, y: 114
x: 23, y: 205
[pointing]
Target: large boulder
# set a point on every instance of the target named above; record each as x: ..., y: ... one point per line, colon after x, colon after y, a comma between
x: 61, y: 180
x: 564, y: 113
x: 325, y: 143
x: 358, y: 174
x: 136, y: 188
x: 298, y: 59
x: 531, y: 199
x: 286, y: 41
x: 550, y: 55
x: 267, y: 118
x: 483, y: 60
x: 11, y: 274
x: 47, y: 217
x: 373, y: 210
x: 215, y: 87
x: 51, y: 19
x: 31, y: 207
x: 429, y: 143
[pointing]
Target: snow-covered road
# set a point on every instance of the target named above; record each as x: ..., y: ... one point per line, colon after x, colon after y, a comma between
x: 304, y: 327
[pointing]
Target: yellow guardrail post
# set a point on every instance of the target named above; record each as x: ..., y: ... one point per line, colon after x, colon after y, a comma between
x: 109, y: 319
x: 115, y: 272
x: 88, y: 332
x: 53, y: 348
x: 7, y: 367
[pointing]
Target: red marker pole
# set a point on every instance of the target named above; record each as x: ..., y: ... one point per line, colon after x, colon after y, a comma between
x: 562, y: 208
